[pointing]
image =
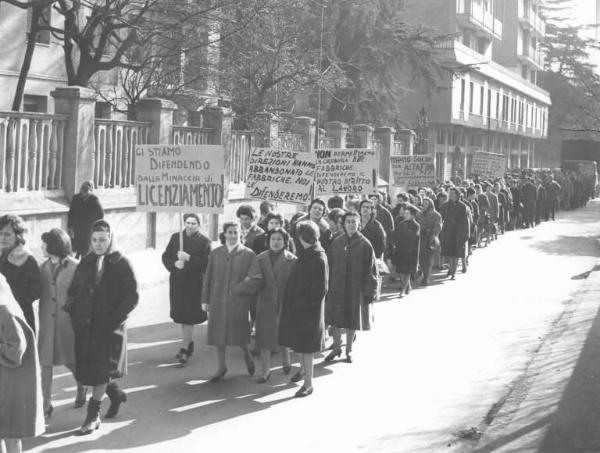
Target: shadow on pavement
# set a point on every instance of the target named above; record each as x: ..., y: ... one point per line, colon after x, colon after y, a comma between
x: 570, y: 424
x: 569, y: 246
x: 166, y: 401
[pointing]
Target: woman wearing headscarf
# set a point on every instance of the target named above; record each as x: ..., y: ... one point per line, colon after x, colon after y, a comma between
x: 317, y: 213
x: 18, y: 265
x: 21, y: 413
x: 352, y: 285
x: 56, y: 338
x: 301, y: 324
x: 455, y: 230
x: 187, y: 268
x: 225, y: 295
x: 101, y: 296
x: 431, y: 225
x: 405, y: 255
x: 269, y: 275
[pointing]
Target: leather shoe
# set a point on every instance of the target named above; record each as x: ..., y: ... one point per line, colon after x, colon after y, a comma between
x: 303, y: 392
x: 297, y: 377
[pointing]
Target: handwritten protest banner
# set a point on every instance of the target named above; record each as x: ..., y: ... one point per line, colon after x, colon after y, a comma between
x: 172, y: 178
x: 413, y: 171
x: 279, y: 175
x: 347, y: 170
x: 488, y: 165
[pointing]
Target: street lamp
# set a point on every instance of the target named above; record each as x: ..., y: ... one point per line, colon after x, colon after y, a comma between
x: 422, y: 131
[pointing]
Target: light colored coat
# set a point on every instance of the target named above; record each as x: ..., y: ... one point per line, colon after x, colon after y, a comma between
x: 271, y: 280
x: 56, y: 340
x: 225, y: 291
x: 21, y: 413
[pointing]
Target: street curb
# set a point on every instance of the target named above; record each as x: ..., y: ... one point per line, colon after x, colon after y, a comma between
x: 504, y: 415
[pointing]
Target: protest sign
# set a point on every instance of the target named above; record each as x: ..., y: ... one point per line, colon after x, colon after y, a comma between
x: 488, y: 165
x: 411, y: 172
x: 346, y: 170
x: 174, y: 178
x: 279, y: 175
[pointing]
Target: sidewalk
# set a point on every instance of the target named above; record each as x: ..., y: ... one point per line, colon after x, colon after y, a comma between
x: 555, y: 406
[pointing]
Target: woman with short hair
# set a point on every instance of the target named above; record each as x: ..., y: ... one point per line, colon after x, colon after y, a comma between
x: 352, y: 285
x: 187, y: 268
x: 56, y: 338
x: 18, y: 265
x: 226, y: 297
x: 101, y: 296
x: 317, y: 213
x: 270, y: 274
x: 301, y: 325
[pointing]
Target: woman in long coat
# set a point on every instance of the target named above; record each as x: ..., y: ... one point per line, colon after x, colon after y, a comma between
x: 101, y: 296
x: 18, y: 265
x: 84, y: 210
x: 352, y: 285
x: 301, y: 325
x: 455, y: 230
x: 431, y: 225
x: 225, y: 295
x: 405, y: 256
x: 21, y: 413
x: 371, y: 228
x: 56, y: 339
x: 270, y: 274
x: 187, y: 268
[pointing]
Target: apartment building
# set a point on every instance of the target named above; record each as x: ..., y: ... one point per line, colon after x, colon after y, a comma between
x: 492, y: 103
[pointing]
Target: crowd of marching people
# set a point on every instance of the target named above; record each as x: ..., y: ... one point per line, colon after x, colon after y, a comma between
x: 273, y: 285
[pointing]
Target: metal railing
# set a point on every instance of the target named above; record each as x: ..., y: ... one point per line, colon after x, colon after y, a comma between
x: 114, y: 145
x: 241, y: 143
x: 31, y: 151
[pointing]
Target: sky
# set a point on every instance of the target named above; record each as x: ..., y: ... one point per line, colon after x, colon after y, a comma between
x: 584, y: 13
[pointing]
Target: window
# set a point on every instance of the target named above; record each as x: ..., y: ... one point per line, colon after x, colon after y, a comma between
x: 472, y: 95
x: 505, y: 106
x: 481, y: 100
x: 524, y: 71
x: 43, y: 37
x: 498, y: 105
x: 33, y: 103
x: 462, y: 95
x: 466, y: 38
x: 440, y: 137
x: 482, y: 45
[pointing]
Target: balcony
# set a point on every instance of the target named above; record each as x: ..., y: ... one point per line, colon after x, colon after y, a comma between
x: 482, y: 22
x: 530, y: 20
x: 531, y: 56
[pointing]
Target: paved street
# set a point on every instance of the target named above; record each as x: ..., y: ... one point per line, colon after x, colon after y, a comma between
x: 435, y: 364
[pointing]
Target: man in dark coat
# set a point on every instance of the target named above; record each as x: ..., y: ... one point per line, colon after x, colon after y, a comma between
x: 553, y: 190
x: 517, y: 205
x: 530, y: 196
x: 84, y: 210
x: 405, y: 255
x: 455, y: 230
x: 540, y: 207
x: 187, y: 268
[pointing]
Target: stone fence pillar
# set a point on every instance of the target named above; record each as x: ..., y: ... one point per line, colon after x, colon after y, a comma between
x: 386, y: 135
x: 407, y: 137
x: 159, y: 112
x: 305, y: 127
x: 337, y: 131
x: 363, y: 134
x: 78, y: 160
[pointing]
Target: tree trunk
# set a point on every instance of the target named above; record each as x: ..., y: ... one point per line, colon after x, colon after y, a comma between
x: 36, y: 12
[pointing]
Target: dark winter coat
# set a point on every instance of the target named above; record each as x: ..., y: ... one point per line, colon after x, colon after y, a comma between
x: 455, y: 230
x: 99, y: 312
x: 430, y: 222
x: 375, y: 234
x: 302, y: 324
x: 23, y: 276
x: 352, y: 283
x: 406, y: 246
x: 185, y: 285
x: 324, y: 232
x: 83, y: 212
x: 553, y: 190
x: 251, y: 234
x: 384, y: 216
x: 270, y: 279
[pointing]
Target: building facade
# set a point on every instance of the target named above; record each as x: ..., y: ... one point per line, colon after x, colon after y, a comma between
x: 492, y: 102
